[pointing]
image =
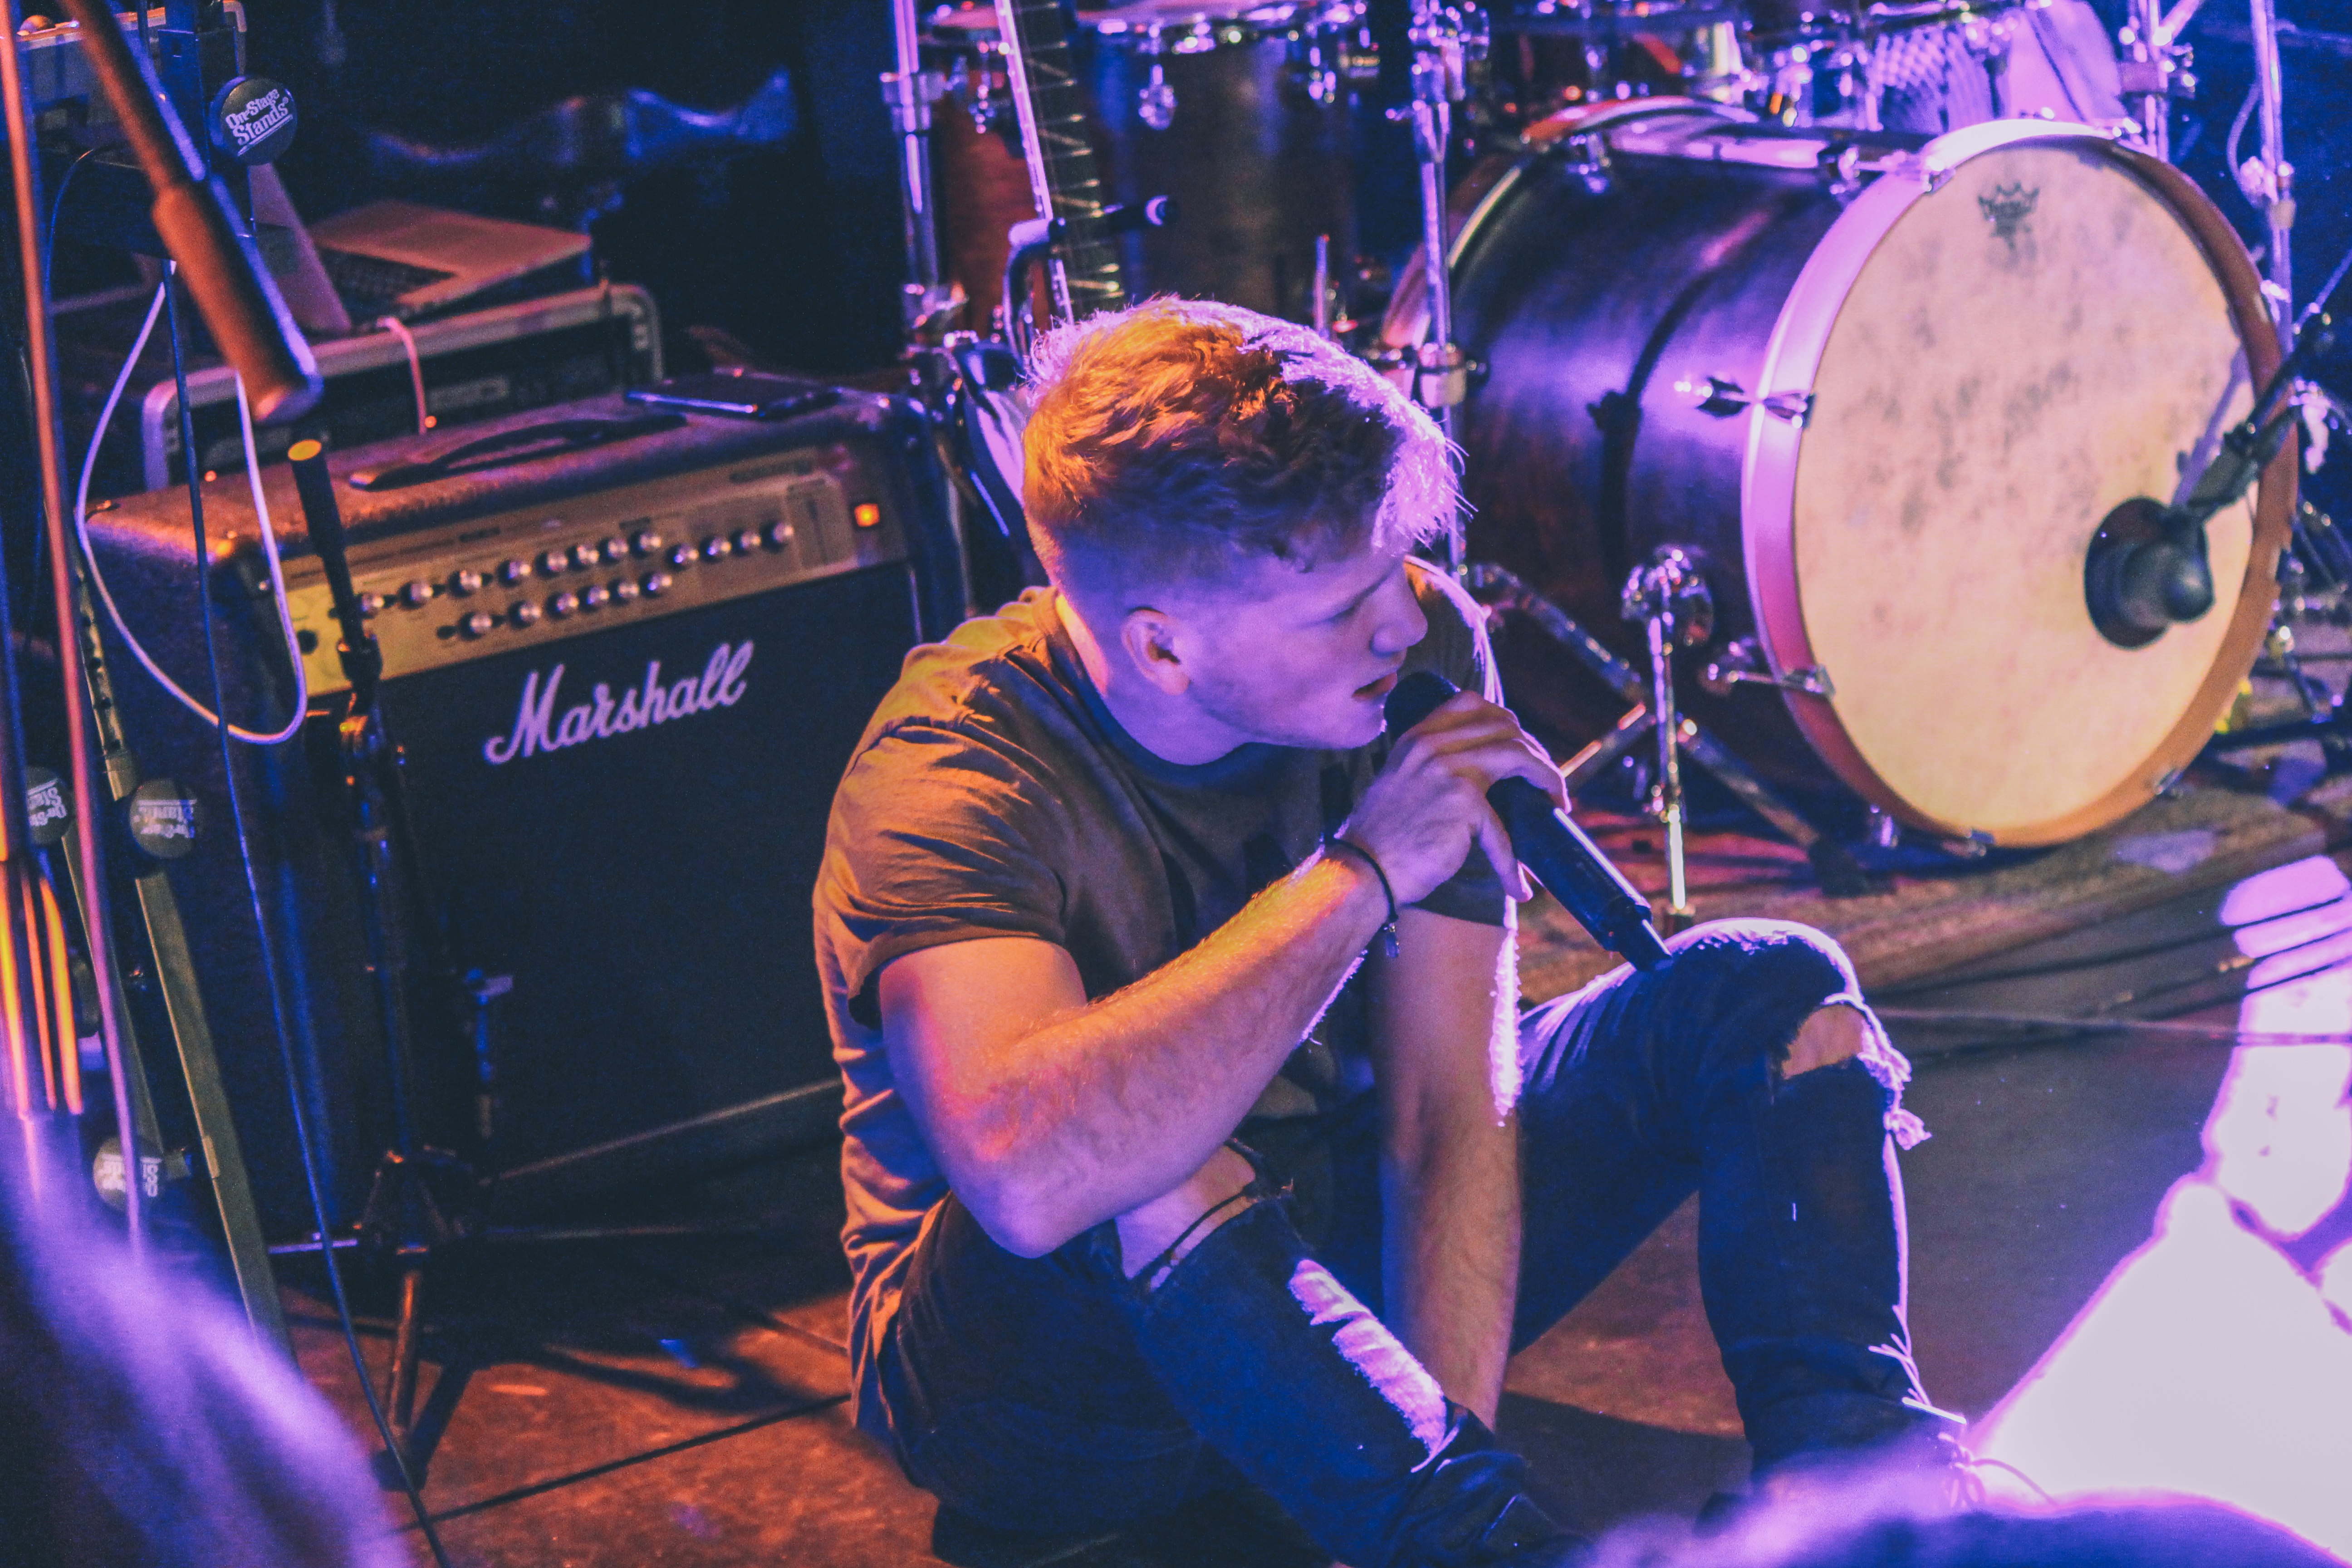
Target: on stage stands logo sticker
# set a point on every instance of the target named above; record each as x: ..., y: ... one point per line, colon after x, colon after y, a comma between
x: 538, y: 728
x: 256, y: 118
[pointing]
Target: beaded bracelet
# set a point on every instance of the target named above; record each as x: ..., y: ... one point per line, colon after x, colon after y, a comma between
x: 1388, y: 931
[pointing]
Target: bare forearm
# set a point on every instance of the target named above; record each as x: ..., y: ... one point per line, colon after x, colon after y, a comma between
x: 1452, y: 1254
x: 1109, y: 1107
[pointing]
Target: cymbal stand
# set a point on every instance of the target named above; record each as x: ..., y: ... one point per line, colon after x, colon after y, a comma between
x: 1447, y: 40
x: 1835, y: 866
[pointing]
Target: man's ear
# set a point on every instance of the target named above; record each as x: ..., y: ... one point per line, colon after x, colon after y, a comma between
x: 1148, y: 638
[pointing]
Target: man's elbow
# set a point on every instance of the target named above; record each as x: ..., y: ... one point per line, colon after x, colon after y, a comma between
x: 1017, y: 1219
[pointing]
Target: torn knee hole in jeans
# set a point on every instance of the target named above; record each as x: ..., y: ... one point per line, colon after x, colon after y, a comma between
x: 1867, y: 1049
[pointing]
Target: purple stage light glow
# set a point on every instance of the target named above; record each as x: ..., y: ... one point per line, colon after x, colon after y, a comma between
x: 2210, y: 1362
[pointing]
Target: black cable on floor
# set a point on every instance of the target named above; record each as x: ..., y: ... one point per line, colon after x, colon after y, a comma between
x: 2068, y: 1028
x: 302, y: 1139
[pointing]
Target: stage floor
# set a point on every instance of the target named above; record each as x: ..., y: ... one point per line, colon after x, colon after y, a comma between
x: 683, y: 1402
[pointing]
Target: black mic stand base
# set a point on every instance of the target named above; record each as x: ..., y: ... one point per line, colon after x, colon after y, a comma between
x: 421, y: 1209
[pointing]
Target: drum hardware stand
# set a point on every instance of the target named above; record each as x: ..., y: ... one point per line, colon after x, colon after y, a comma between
x: 1032, y: 241
x: 928, y: 303
x: 1670, y: 600
x: 422, y: 1201
x: 1445, y: 40
x: 1833, y: 866
x: 2154, y: 67
x: 2268, y: 180
x: 1332, y: 328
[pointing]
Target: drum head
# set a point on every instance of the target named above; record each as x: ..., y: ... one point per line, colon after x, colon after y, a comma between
x: 1995, y: 365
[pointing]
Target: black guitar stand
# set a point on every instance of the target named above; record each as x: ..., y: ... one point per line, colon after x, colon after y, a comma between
x: 423, y: 1202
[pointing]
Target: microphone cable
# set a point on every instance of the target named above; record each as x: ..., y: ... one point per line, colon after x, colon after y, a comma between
x: 261, y: 513
x: 224, y: 731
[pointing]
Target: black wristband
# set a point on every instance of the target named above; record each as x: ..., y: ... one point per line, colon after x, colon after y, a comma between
x: 1388, y: 931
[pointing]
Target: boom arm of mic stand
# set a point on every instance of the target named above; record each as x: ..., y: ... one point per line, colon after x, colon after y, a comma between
x: 2250, y: 443
x: 240, y: 305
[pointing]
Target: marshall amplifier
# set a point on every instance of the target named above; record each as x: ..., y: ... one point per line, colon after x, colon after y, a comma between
x: 626, y: 682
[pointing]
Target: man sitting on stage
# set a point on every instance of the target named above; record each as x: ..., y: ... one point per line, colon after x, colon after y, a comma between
x: 1193, y: 1130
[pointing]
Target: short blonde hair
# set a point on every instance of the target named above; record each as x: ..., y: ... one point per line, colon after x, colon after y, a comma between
x: 1171, y: 437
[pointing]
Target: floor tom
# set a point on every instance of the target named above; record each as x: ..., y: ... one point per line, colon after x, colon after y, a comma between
x: 1241, y: 113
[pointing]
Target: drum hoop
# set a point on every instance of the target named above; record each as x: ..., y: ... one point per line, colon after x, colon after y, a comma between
x: 1259, y: 21
x: 1406, y: 321
x: 1769, y: 475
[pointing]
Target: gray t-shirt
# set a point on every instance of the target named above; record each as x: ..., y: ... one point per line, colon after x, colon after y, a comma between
x: 994, y: 795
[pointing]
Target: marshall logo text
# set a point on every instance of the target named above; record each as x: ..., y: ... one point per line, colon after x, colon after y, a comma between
x: 537, y: 728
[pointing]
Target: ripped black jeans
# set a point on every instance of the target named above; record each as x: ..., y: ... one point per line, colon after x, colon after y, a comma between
x: 1054, y: 1393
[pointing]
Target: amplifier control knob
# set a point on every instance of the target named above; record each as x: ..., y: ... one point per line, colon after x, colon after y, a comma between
x: 553, y: 563
x: 479, y: 624
x: 371, y: 604
x: 625, y: 590
x: 720, y: 548
x: 748, y: 542
x: 614, y: 549
x: 585, y: 555
x: 526, y: 614
x: 780, y: 534
x: 683, y: 556
x: 416, y: 594
x: 465, y: 582
x: 656, y: 584
x: 513, y: 572
x: 594, y: 595
x: 648, y: 541
x: 563, y: 604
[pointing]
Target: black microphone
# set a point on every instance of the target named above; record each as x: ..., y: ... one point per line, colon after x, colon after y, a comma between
x: 1569, y: 864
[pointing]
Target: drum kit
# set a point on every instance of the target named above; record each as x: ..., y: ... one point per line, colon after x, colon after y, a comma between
x: 1830, y: 377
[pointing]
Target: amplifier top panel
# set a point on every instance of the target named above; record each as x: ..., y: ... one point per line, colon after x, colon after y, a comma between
x: 538, y: 551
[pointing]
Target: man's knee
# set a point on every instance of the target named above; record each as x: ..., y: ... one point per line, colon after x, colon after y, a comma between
x: 1780, y: 956
x: 1835, y: 1033
x: 1797, y: 990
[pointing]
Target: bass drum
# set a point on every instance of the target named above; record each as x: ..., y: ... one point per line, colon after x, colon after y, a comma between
x: 1884, y: 394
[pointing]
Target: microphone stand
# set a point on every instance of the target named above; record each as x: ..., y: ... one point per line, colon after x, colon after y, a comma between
x: 2246, y: 451
x: 233, y: 291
